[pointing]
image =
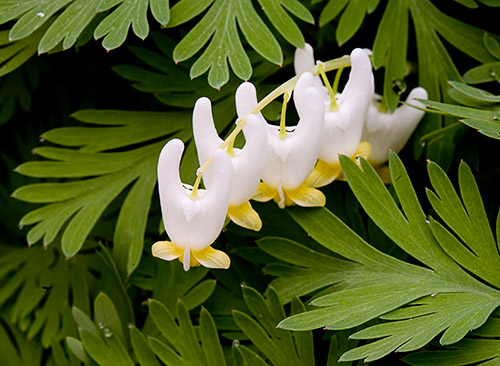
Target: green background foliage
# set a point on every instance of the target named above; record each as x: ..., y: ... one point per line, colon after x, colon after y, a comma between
x: 411, y: 267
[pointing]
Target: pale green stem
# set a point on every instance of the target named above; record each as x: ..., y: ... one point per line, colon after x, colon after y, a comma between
x: 283, y: 135
x: 331, y: 92
x: 337, y: 80
x: 286, y: 87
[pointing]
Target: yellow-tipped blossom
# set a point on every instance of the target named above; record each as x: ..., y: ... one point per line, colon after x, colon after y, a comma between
x: 292, y: 153
x: 390, y: 131
x: 248, y: 162
x: 344, y: 117
x: 192, y: 221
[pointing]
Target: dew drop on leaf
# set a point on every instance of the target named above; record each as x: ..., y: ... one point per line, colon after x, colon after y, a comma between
x: 107, y: 332
x: 399, y: 86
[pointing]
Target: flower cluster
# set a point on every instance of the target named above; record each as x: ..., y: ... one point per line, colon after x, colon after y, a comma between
x: 280, y: 163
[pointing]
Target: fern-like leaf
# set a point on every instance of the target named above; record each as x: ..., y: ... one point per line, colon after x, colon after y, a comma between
x: 372, y: 284
x: 82, y: 202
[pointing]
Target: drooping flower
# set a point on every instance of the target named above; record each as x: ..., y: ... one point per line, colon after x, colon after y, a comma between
x: 292, y: 153
x: 248, y: 162
x: 192, y: 221
x: 390, y: 131
x: 344, y: 116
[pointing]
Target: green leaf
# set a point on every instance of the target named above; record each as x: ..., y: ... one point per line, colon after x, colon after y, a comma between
x: 467, y: 351
x: 219, y: 24
x: 376, y: 284
x: 467, y: 220
x: 209, y: 340
x: 492, y: 45
x: 182, y: 338
x: 69, y: 25
x: 116, y: 25
x: 283, y: 22
x: 76, y: 347
x: 82, y: 202
x: 186, y: 10
x: 389, y: 48
x: 104, y: 343
x: 482, y: 73
x: 245, y: 356
x: 280, y: 347
x: 351, y: 20
x: 15, y: 348
x: 331, y: 10
x: 35, y: 17
x: 145, y: 355
x: 67, y: 21
x: 37, y: 282
x: 14, y: 54
x: 474, y: 93
x: 105, y: 349
x: 106, y: 316
x: 485, y: 121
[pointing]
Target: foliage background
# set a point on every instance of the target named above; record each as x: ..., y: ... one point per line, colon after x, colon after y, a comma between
x: 90, y: 187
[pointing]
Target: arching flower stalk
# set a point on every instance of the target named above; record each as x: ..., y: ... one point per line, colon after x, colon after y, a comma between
x: 292, y: 152
x: 192, y: 219
x: 248, y: 162
x: 344, y: 114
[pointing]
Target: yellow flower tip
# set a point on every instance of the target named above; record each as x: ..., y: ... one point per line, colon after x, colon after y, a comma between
x: 166, y: 250
x: 282, y: 199
x: 364, y: 150
x: 306, y: 196
x: 323, y: 174
x: 212, y: 258
x: 245, y: 216
x: 264, y: 193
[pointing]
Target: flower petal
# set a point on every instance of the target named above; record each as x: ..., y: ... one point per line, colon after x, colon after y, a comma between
x: 208, y: 222
x: 303, y: 59
x: 307, y: 196
x: 166, y: 250
x: 386, y: 131
x: 264, y: 193
x: 207, y: 213
x: 323, y: 174
x: 364, y: 150
x: 245, y: 98
x: 305, y: 141
x: 249, y: 163
x: 212, y: 258
x: 245, y: 216
x: 343, y: 127
x: 205, y: 135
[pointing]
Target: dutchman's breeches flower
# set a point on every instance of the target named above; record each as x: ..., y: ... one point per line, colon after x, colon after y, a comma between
x: 292, y: 153
x: 390, y: 131
x: 192, y: 220
x: 344, y: 114
x: 248, y: 162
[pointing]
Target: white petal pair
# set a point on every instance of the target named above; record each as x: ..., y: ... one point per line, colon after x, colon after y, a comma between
x: 192, y: 222
x: 291, y: 156
x: 248, y: 162
x: 343, y: 126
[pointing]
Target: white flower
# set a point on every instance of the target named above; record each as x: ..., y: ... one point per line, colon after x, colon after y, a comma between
x: 192, y: 222
x: 344, y: 118
x: 248, y: 162
x: 391, y: 131
x: 291, y: 155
